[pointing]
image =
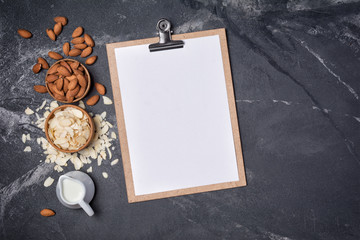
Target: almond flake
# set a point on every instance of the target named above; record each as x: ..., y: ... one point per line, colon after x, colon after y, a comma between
x: 23, y: 138
x: 114, y: 162
x: 89, y: 170
x: 28, y: 111
x: 48, y: 182
x: 27, y: 149
x: 105, y: 175
x: 113, y: 135
x: 107, y: 101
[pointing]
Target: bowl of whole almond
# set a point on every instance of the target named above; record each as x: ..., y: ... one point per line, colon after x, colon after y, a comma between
x: 67, y: 81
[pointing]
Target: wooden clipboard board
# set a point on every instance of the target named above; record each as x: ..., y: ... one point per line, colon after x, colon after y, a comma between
x: 122, y: 128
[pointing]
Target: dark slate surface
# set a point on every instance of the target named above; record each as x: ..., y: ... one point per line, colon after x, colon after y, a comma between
x: 296, y: 74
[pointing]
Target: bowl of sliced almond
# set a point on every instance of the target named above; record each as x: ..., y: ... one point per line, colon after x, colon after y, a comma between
x: 69, y: 128
x: 67, y: 81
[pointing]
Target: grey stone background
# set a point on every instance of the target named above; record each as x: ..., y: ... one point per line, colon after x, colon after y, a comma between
x: 295, y: 66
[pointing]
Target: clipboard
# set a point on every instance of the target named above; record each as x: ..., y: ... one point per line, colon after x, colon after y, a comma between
x: 167, y: 149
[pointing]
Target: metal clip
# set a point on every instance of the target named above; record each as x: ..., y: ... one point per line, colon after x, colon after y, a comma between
x: 165, y: 43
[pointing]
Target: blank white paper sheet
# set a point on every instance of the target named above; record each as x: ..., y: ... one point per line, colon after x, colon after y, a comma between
x: 177, y: 116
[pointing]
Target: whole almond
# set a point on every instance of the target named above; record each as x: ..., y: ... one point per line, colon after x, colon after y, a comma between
x: 72, y: 84
x: 69, y: 99
x: 74, y: 65
x: 60, y: 19
x: 74, y: 52
x: 81, y: 92
x: 51, y: 34
x: 53, y: 69
x: 43, y: 62
x: 54, y: 89
x: 66, y: 84
x: 73, y: 92
x: 77, y: 40
x: 77, y: 32
x: 72, y: 77
x: 55, y: 55
x: 36, y: 68
x: 100, y: 88
x: 57, y: 29
x: 59, y: 97
x: 91, y: 60
x: 60, y: 84
x: 65, y: 64
x: 66, y: 48
x: 86, y: 52
x: 81, y: 68
x: 80, y: 46
x: 40, y: 89
x: 93, y: 100
x: 82, y: 81
x: 47, y: 212
x: 89, y: 41
x: 63, y: 71
x: 78, y: 72
x: 24, y: 33
x: 51, y: 78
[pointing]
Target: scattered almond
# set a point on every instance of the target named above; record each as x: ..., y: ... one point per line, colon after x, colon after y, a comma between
x: 89, y: 41
x: 57, y: 28
x: 77, y: 32
x: 40, y: 89
x: 55, y: 55
x: 60, y: 19
x: 100, y: 88
x: 51, y: 34
x: 91, y: 60
x: 74, y: 52
x: 86, y: 52
x: 24, y: 33
x: 77, y: 40
x: 66, y: 48
x: 93, y: 100
x: 47, y: 212
x: 80, y: 46
x: 36, y: 68
x: 43, y: 62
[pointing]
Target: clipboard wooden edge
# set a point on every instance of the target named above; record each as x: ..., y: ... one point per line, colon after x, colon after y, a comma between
x: 121, y: 120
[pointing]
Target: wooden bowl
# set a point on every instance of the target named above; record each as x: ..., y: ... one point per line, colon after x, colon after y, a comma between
x: 92, y: 128
x: 86, y: 74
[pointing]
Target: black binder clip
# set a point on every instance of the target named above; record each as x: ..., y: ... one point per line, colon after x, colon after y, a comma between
x: 165, y: 43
